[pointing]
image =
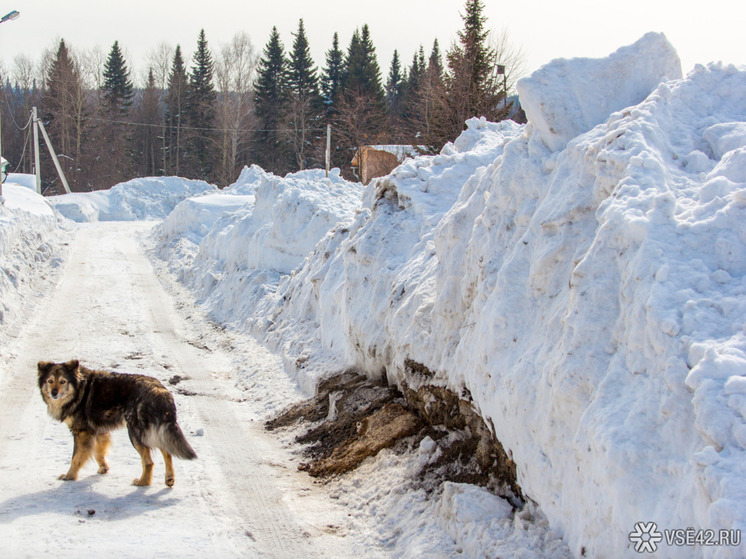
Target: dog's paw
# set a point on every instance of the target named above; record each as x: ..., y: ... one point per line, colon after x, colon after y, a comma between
x: 103, y: 469
x: 140, y: 483
x: 170, y: 481
x: 67, y: 477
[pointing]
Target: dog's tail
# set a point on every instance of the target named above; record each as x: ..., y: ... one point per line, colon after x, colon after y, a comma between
x: 174, y: 442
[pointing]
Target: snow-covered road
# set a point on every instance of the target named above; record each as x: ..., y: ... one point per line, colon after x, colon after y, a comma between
x: 242, y: 497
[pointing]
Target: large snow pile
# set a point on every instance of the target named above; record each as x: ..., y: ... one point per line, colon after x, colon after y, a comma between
x: 31, y: 240
x: 568, y: 97
x: 143, y: 198
x: 590, y: 300
x: 238, y: 258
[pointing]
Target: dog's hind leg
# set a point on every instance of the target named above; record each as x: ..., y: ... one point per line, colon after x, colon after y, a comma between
x: 169, y: 468
x: 82, y: 450
x: 147, y: 465
x: 103, y: 442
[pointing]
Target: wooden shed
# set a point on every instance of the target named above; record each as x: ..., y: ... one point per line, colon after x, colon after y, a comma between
x: 377, y: 161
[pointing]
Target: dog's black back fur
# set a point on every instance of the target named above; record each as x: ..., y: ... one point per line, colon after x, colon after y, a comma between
x: 103, y: 401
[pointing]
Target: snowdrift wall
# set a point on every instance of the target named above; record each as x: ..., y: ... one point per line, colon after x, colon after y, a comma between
x: 581, y: 279
x: 233, y: 248
x: 32, y: 243
x: 591, y: 299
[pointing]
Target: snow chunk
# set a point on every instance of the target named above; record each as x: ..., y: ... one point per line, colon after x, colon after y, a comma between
x: 725, y: 137
x: 565, y: 98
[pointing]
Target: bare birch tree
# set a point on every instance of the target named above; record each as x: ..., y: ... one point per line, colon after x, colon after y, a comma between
x: 159, y: 63
x: 235, y: 70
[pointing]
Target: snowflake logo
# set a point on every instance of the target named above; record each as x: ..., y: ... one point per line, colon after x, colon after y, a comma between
x: 645, y: 537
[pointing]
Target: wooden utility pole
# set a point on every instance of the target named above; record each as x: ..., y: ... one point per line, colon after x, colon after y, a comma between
x: 37, y: 166
x: 328, y: 147
x: 37, y: 125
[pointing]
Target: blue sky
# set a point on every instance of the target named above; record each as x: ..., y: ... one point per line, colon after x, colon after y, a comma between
x: 543, y: 29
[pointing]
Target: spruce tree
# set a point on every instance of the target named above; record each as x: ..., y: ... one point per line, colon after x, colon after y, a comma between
x: 363, y: 75
x: 395, y: 85
x: 113, y: 136
x: 200, y: 113
x: 331, y: 80
x: 64, y: 103
x: 361, y: 117
x: 148, y: 112
x: 394, y: 82
x: 474, y: 51
x: 302, y: 78
x: 435, y: 62
x: 470, y: 86
x: 270, y: 105
x: 117, y: 87
x: 176, y: 97
x: 305, y: 105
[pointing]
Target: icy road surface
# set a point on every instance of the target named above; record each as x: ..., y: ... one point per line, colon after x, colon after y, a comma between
x: 243, y: 496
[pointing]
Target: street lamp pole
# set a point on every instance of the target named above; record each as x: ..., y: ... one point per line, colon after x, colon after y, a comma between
x: 7, y: 17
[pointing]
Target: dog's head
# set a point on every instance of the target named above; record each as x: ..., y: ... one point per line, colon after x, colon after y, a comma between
x: 58, y: 381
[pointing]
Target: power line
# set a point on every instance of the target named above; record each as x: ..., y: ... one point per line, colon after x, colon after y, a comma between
x: 203, y: 129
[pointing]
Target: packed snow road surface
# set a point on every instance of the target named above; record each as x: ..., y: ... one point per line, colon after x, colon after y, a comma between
x: 242, y: 497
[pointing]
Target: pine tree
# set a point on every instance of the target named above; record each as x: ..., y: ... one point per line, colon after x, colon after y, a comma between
x: 305, y: 105
x: 435, y: 62
x: 176, y: 97
x: 394, y: 82
x: 363, y: 75
x: 117, y: 87
x: 395, y: 86
x: 200, y: 113
x: 64, y: 106
x: 302, y: 78
x: 331, y: 81
x: 361, y: 117
x: 270, y: 104
x: 474, y: 52
x: 470, y: 86
x: 148, y: 112
x: 113, y: 136
x: 411, y: 111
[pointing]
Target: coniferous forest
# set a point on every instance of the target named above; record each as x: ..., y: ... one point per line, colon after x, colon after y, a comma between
x: 209, y: 117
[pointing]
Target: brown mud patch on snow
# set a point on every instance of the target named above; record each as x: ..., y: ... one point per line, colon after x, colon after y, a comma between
x: 352, y: 418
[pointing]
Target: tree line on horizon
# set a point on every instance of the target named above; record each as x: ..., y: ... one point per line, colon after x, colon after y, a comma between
x: 239, y: 108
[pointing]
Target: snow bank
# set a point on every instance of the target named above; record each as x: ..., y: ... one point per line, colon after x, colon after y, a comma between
x: 143, y: 198
x: 31, y: 250
x: 591, y: 301
x: 585, y: 286
x: 565, y: 98
x: 268, y: 225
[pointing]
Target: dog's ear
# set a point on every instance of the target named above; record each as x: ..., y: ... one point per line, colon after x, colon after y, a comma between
x: 72, y: 366
x: 43, y: 367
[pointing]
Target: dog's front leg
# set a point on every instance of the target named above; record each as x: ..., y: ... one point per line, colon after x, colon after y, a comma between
x: 82, y: 449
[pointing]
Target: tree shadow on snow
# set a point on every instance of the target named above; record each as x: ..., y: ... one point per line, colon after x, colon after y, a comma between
x: 79, y: 499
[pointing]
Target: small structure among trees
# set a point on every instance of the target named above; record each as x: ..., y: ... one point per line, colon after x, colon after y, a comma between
x: 371, y: 162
